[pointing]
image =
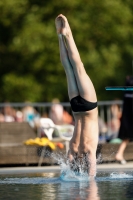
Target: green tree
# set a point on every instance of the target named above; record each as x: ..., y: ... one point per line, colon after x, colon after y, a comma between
x: 29, y: 54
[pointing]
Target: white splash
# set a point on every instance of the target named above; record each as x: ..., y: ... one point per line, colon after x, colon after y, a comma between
x: 72, y: 171
x: 120, y: 175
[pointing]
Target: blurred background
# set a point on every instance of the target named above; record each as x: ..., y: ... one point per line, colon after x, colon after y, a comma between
x: 32, y: 78
x: 30, y: 68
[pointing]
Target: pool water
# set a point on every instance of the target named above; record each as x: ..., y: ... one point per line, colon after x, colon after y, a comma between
x: 117, y: 185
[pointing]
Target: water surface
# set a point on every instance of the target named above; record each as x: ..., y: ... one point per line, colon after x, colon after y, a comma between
x: 109, y: 185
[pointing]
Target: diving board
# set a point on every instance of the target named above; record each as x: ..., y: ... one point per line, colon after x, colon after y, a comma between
x: 122, y: 88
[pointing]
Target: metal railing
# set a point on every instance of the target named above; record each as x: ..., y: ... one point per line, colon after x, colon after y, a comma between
x: 104, y: 108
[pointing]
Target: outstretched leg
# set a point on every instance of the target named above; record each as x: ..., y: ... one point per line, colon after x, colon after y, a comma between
x: 85, y: 86
x: 71, y: 81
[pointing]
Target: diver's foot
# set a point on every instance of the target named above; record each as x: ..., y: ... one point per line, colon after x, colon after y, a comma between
x: 62, y: 25
x: 58, y: 24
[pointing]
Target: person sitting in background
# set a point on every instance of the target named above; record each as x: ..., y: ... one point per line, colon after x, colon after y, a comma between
x: 67, y: 118
x: 56, y: 112
x: 30, y: 115
x: 2, y: 118
x: 9, y: 113
x: 19, y: 116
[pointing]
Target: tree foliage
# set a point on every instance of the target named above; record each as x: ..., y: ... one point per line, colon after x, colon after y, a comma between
x: 30, y: 67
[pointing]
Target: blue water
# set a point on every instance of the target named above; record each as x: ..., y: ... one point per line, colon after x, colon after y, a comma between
x: 107, y: 185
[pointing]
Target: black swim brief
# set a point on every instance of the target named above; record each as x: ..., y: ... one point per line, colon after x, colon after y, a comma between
x: 79, y: 104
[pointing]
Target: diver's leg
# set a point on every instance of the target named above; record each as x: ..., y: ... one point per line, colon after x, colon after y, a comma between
x: 84, y: 83
x: 71, y: 81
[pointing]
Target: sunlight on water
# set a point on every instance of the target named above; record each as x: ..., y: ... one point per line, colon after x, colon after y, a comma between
x: 28, y: 180
x: 120, y: 175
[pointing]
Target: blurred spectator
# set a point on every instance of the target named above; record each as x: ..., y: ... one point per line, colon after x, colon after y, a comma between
x: 116, y: 111
x: 56, y: 112
x: 30, y: 115
x: 2, y: 118
x: 102, y: 130
x: 126, y: 127
x: 19, y: 116
x: 67, y: 118
x: 58, y: 115
x: 114, y: 123
x: 9, y: 113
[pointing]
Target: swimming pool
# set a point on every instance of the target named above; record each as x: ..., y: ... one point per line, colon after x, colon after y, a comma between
x: 116, y: 184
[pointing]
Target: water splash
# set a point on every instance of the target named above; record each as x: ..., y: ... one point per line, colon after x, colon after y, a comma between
x: 77, y: 170
x: 120, y: 175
